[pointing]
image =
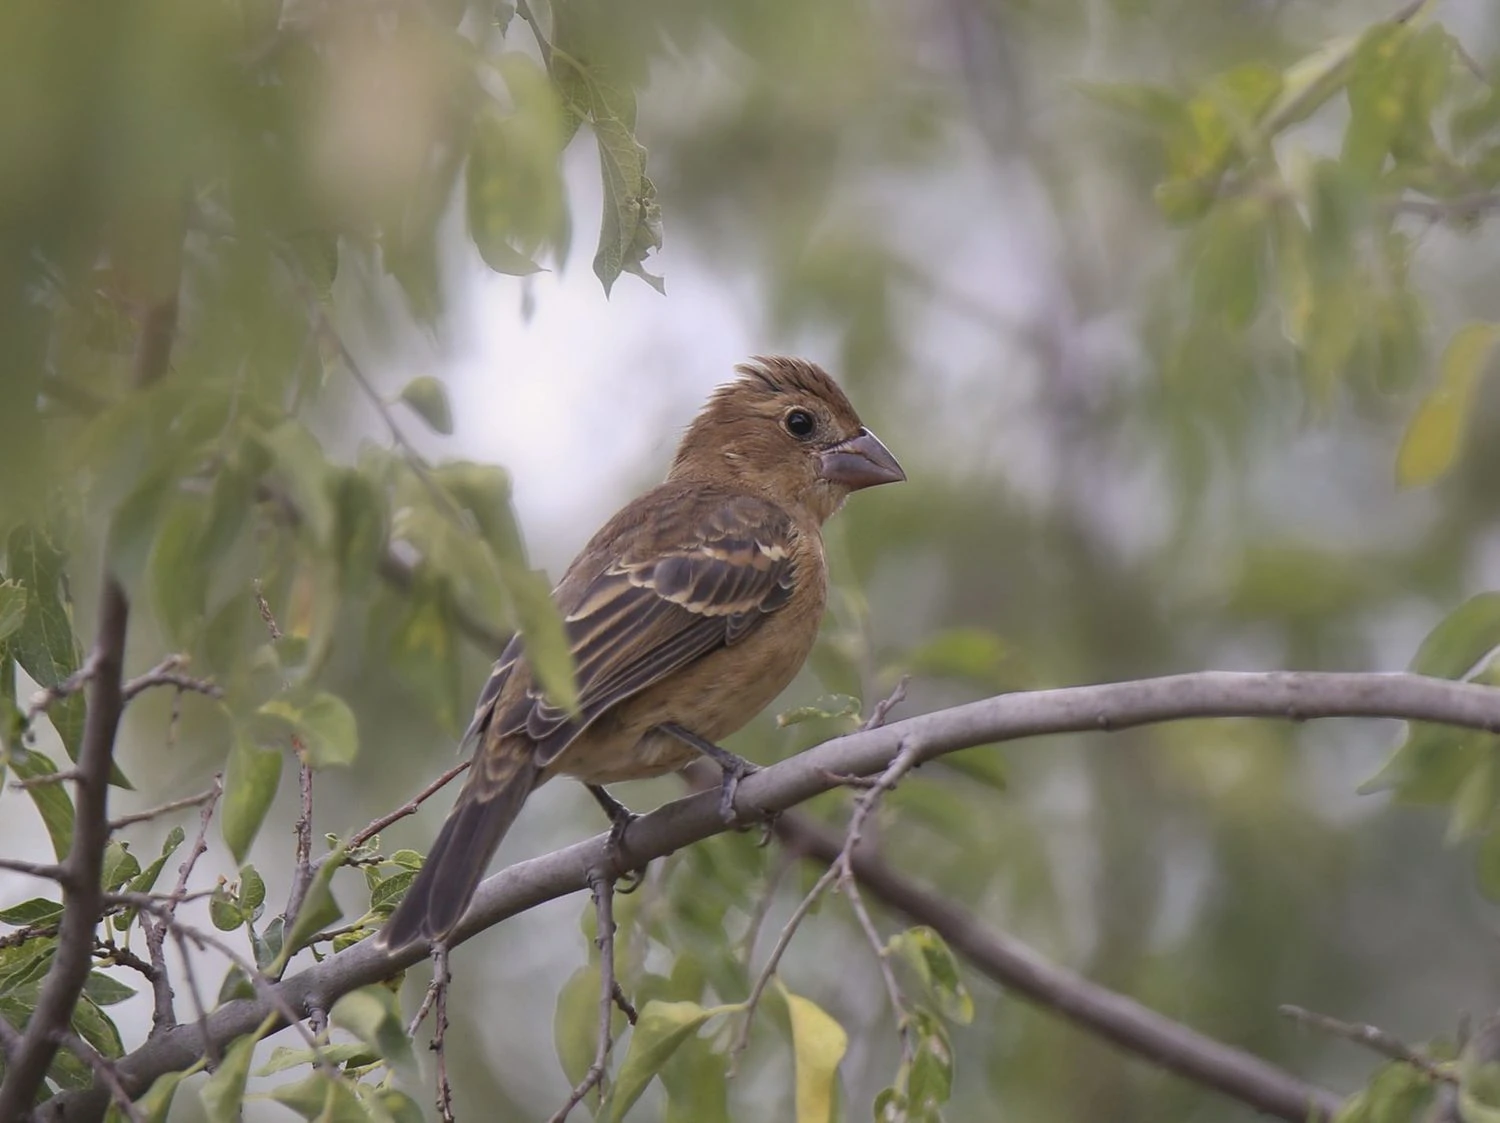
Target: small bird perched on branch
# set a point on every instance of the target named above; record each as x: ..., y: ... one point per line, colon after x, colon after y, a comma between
x: 686, y: 614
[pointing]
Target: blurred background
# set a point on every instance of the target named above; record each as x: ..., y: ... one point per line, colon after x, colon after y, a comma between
x: 1155, y: 301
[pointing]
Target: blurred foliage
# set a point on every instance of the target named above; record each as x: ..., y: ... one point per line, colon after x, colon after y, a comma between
x: 1168, y: 302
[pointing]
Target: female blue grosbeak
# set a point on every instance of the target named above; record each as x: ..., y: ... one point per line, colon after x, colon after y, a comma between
x: 687, y: 613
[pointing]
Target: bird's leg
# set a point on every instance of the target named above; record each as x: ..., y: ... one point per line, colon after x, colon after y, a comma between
x: 620, y: 818
x: 735, y: 768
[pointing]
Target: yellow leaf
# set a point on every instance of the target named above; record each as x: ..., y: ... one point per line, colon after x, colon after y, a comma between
x: 818, y: 1043
x: 1430, y: 444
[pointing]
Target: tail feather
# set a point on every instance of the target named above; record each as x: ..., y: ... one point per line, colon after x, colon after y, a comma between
x: 444, y: 886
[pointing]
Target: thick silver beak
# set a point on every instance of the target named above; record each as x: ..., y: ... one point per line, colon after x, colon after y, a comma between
x: 861, y: 461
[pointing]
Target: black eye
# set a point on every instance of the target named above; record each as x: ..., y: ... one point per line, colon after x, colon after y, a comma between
x: 799, y: 423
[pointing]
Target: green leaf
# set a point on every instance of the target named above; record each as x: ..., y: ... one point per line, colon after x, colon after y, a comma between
x: 1474, y: 804
x: 318, y: 911
x: 373, y: 1014
x: 145, y: 881
x: 155, y: 1105
x: 52, y: 800
x: 1461, y: 639
x: 284, y: 1057
x: 936, y: 966
x: 975, y: 654
x: 1157, y: 106
x: 516, y: 199
x: 178, y: 573
x: 106, y: 990
x: 575, y: 1022
x: 325, y: 726
x: 697, y: 1084
x: 298, y: 462
x: 818, y: 1045
x: 38, y: 910
x: 929, y: 1084
x: 1430, y: 445
x: 428, y: 398
x: 1431, y: 763
x: 250, y: 784
x: 120, y: 865
x: 44, y: 644
x: 225, y: 911
x: 324, y: 1098
x: 224, y: 1095
x: 97, y: 1028
x: 1228, y: 254
x: 661, y: 1029
x: 827, y: 706
x: 631, y: 224
x: 12, y: 608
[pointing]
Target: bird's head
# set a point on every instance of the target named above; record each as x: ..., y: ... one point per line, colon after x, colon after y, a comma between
x: 785, y: 430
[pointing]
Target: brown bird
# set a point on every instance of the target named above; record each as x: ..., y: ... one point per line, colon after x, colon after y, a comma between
x: 687, y: 613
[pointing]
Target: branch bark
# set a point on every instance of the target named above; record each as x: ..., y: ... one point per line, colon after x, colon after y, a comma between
x: 83, y: 892
x: 1293, y: 696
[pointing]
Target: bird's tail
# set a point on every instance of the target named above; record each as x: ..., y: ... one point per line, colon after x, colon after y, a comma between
x: 445, y: 884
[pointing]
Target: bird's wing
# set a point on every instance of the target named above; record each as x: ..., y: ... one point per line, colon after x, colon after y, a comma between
x: 698, y: 579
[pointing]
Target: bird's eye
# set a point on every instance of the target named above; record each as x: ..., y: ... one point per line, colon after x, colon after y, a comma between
x: 799, y: 423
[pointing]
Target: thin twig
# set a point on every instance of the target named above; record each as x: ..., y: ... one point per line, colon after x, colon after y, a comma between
x: 61, y: 776
x: 839, y: 872
x: 603, y: 889
x: 104, y: 1071
x: 43, y: 700
x: 362, y: 836
x: 166, y: 808
x: 265, y: 611
x: 850, y: 889
x: 427, y: 1000
x: 164, y: 1002
x: 784, y: 862
x: 45, y: 871
x: 264, y: 986
x: 302, y: 872
x: 1464, y: 208
x: 27, y: 934
x: 110, y: 953
x: 883, y: 708
x: 173, y: 678
x: 1373, y: 1038
x: 442, y: 978
x: 211, y: 1051
x: 169, y: 673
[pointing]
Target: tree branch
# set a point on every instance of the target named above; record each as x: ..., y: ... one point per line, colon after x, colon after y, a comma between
x: 1098, y: 1010
x: 1291, y: 696
x: 83, y: 895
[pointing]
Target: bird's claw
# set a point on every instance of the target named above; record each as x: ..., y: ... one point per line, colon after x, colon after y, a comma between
x: 733, y: 774
x: 629, y: 881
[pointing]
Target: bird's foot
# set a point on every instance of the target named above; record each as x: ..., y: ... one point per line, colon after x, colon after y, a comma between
x: 735, y: 768
x: 620, y: 818
x: 733, y: 774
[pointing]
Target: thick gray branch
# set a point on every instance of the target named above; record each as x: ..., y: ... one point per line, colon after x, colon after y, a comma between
x: 1286, y: 695
x: 1123, y: 1021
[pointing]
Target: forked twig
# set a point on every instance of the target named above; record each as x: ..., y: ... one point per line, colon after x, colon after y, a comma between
x: 603, y: 889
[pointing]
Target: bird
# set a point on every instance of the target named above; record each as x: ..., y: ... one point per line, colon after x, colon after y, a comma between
x: 686, y: 614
